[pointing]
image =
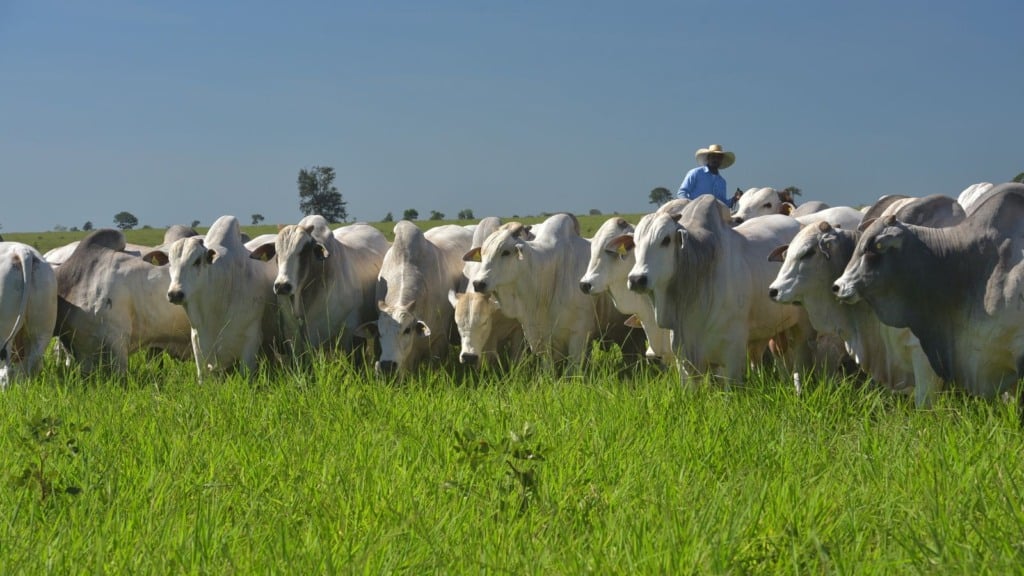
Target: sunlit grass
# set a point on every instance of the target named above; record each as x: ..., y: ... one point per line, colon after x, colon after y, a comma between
x: 327, y: 469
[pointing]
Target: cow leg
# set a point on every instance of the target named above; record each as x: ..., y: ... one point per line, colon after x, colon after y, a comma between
x: 197, y: 353
x: 5, y: 367
x: 34, y: 352
x: 926, y: 382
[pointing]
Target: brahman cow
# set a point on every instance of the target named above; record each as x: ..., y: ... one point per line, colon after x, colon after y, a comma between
x: 28, y: 310
x: 960, y: 289
x: 325, y: 280
x: 111, y: 303
x: 709, y: 284
x: 485, y: 331
x: 537, y: 282
x: 228, y: 297
x: 760, y: 202
x: 608, y: 271
x: 415, y: 320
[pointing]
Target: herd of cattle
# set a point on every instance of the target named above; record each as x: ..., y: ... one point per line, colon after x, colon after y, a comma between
x: 920, y: 292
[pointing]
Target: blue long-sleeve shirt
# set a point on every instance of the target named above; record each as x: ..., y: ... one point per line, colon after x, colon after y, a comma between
x: 701, y: 181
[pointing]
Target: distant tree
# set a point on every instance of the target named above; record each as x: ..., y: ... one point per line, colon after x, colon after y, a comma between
x: 466, y: 214
x: 194, y: 224
x: 60, y: 228
x: 87, y: 226
x: 410, y: 214
x: 388, y: 218
x: 1019, y: 177
x: 659, y: 196
x: 435, y: 215
x: 319, y: 195
x: 257, y: 218
x: 125, y: 220
x: 74, y: 228
x: 595, y: 212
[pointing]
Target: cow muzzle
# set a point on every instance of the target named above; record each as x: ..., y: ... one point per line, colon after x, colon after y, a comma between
x: 637, y: 282
x: 175, y: 296
x: 480, y: 286
x: 387, y: 367
x: 283, y: 288
x: 845, y: 292
x: 469, y: 359
x: 586, y: 287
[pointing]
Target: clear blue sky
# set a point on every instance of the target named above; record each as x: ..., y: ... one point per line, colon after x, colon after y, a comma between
x: 185, y: 110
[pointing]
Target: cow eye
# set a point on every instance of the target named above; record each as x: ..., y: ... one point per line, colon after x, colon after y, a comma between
x: 767, y: 205
x: 506, y: 252
x: 407, y: 330
x: 196, y: 263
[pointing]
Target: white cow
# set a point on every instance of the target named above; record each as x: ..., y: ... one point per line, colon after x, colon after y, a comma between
x: 112, y: 303
x: 228, y: 297
x: 537, y: 282
x: 608, y: 270
x: 814, y: 259
x: 28, y: 310
x: 709, y: 282
x: 760, y: 202
x: 485, y: 331
x: 325, y: 280
x: 415, y: 320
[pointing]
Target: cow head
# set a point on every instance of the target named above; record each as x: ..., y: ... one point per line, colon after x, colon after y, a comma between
x: 301, y: 251
x: 809, y: 264
x: 501, y: 259
x: 874, y: 264
x: 657, y: 240
x: 399, y: 331
x: 609, y: 261
x: 189, y: 261
x: 474, y: 316
x: 757, y: 202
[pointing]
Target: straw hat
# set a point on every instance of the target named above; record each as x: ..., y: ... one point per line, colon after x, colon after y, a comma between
x: 727, y: 157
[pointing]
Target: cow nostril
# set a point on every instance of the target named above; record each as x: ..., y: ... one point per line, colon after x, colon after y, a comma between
x: 773, y: 293
x: 282, y: 288
x: 835, y: 288
x: 585, y: 287
x: 479, y: 285
x: 471, y: 359
x: 737, y: 220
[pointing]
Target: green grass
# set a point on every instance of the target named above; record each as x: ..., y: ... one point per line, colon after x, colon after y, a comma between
x: 610, y: 472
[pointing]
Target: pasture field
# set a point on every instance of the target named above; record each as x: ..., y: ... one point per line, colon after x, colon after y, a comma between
x: 329, y: 470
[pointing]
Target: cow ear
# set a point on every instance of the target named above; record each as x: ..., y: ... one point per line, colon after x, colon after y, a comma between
x: 519, y: 251
x: 738, y: 193
x: 264, y: 252
x: 620, y: 245
x: 367, y: 330
x: 786, y: 208
x: 381, y: 305
x: 472, y: 256
x: 633, y: 322
x: 454, y: 297
x: 211, y: 255
x: 320, y: 252
x: 676, y: 216
x: 779, y: 254
x: 421, y: 328
x: 156, y: 258
x: 786, y: 196
x: 825, y: 245
x: 865, y: 223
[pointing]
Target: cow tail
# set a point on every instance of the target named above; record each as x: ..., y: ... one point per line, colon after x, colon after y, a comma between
x: 26, y: 275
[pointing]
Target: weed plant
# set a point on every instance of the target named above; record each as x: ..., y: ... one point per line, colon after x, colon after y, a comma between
x: 323, y: 468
